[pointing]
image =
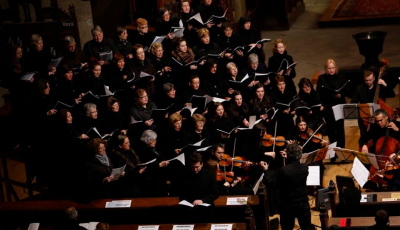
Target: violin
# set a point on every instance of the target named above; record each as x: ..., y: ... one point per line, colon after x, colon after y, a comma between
x: 268, y: 140
x: 237, y: 161
x: 316, y: 137
x: 224, y: 176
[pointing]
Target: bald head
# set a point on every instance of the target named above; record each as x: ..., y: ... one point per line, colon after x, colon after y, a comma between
x: 71, y: 213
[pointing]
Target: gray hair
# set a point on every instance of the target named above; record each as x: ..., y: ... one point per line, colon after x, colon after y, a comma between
x: 167, y: 87
x: 69, y: 40
x: 253, y: 58
x: 35, y: 38
x: 230, y: 65
x: 148, y: 135
x: 89, y: 106
x: 96, y: 29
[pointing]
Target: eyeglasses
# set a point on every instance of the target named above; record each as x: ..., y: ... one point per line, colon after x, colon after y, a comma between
x: 93, y: 112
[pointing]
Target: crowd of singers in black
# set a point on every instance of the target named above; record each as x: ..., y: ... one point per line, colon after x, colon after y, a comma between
x: 89, y: 115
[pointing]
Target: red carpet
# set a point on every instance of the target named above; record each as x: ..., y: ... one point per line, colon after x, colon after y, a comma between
x: 360, y: 8
x: 358, y: 12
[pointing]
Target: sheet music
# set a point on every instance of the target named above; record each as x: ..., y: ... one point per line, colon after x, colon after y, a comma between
x: 257, y: 185
x: 149, y: 162
x: 180, y: 157
x: 331, y: 153
x: 117, y: 172
x: 338, y: 112
x: 33, y: 226
x: 313, y: 178
x: 359, y: 172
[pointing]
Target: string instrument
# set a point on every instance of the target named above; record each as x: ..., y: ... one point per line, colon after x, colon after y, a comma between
x: 385, y: 146
x: 390, y: 168
x: 377, y: 100
x: 268, y: 140
x: 316, y: 137
x: 224, y: 176
x: 312, y: 136
x: 237, y: 161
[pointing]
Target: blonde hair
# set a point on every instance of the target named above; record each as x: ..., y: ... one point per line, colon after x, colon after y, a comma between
x: 331, y: 61
x: 96, y: 29
x: 35, y: 38
x: 155, y: 46
x: 203, y: 32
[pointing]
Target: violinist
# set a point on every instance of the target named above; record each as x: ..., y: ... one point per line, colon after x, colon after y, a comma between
x: 391, y: 168
x: 228, y: 181
x: 377, y: 130
x: 302, y: 132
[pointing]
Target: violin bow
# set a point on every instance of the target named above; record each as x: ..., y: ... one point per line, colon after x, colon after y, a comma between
x: 312, y: 135
x: 234, y: 150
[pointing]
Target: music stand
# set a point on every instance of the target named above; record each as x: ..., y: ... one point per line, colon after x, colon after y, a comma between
x: 314, y: 156
x: 344, y: 154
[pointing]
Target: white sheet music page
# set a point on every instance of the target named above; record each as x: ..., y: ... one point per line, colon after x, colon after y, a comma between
x: 359, y: 172
x: 331, y: 153
x: 313, y: 176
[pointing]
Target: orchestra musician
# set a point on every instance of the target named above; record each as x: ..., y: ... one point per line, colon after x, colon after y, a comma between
x: 365, y: 93
x: 229, y: 182
x: 378, y: 130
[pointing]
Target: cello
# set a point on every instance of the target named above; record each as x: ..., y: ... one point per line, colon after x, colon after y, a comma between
x: 366, y: 113
x: 385, y: 146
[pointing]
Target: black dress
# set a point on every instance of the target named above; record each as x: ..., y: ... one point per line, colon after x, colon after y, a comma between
x: 335, y: 128
x: 274, y: 63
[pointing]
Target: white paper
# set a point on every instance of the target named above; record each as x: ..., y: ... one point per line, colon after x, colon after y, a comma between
x: 117, y: 172
x: 92, y: 225
x: 148, y: 227
x: 363, y: 198
x: 149, y: 162
x: 33, y: 226
x: 331, y: 153
x: 183, y: 227
x: 204, y: 149
x: 236, y: 201
x: 28, y: 76
x: 255, y: 189
x: 187, y: 203
x: 85, y: 225
x: 359, y: 172
x: 217, y: 99
x: 221, y: 227
x: 119, y: 204
x: 180, y: 157
x: 338, y: 112
x: 54, y: 63
x: 106, y: 56
x: 313, y: 176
